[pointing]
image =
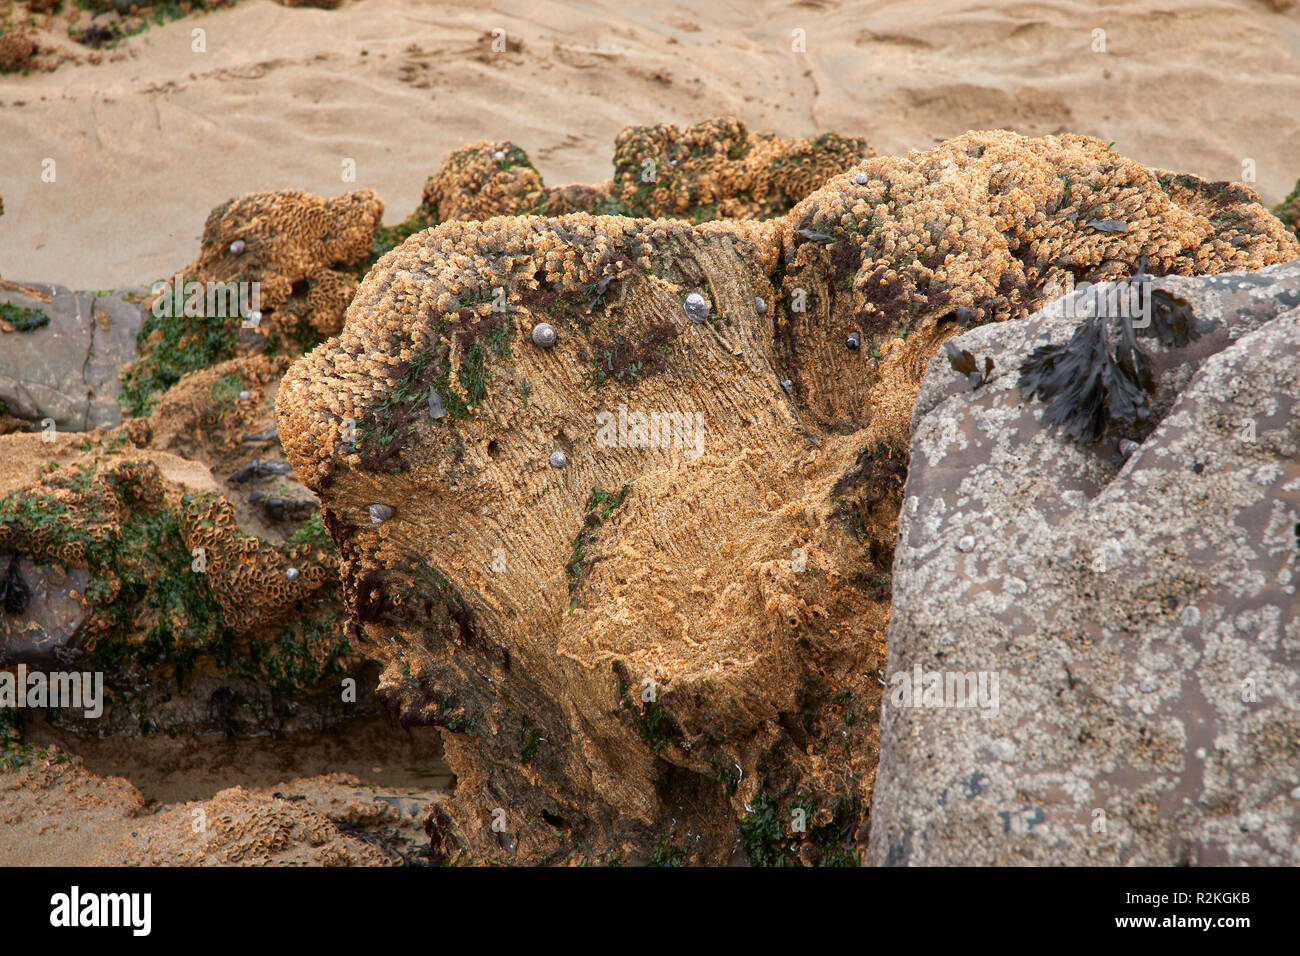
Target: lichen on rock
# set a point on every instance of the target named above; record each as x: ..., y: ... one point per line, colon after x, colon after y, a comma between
x: 1132, y: 612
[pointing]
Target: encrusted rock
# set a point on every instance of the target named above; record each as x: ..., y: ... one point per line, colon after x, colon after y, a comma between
x: 715, y: 169
x: 720, y: 594
x: 1151, y: 682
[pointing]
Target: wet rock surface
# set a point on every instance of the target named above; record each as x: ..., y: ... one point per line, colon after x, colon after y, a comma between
x: 44, y: 626
x: 1139, y: 613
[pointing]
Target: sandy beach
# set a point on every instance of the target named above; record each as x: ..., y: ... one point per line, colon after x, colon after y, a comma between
x: 149, y: 140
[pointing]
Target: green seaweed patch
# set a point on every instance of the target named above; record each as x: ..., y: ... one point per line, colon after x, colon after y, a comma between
x: 170, y: 346
x: 226, y: 389
x: 529, y: 741
x: 611, y: 206
x: 1288, y: 210
x: 162, y: 613
x: 23, y: 318
x: 764, y: 837
x: 387, y: 426
x: 666, y: 854
x: 452, y: 716
x: 388, y: 238
x: 651, y: 721
x: 300, y: 657
x: 728, y: 777
x: 601, y: 505
x: 152, y: 612
x: 313, y: 533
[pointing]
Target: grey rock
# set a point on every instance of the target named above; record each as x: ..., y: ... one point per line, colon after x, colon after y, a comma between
x: 69, y: 369
x: 49, y: 629
x: 381, y: 513
x: 237, y: 247
x: 760, y: 305
x: 248, y: 472
x: 559, y: 459
x: 812, y: 235
x: 260, y: 468
x: 270, y: 434
x: 1150, y: 669
x: 861, y: 179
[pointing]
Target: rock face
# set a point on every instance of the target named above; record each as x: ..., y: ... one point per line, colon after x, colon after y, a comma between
x: 66, y: 369
x: 1139, y: 616
x: 613, y: 674
x: 45, y: 625
x: 130, y: 562
x: 670, y: 643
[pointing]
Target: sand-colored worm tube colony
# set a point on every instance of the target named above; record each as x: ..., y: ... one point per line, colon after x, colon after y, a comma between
x: 666, y: 638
